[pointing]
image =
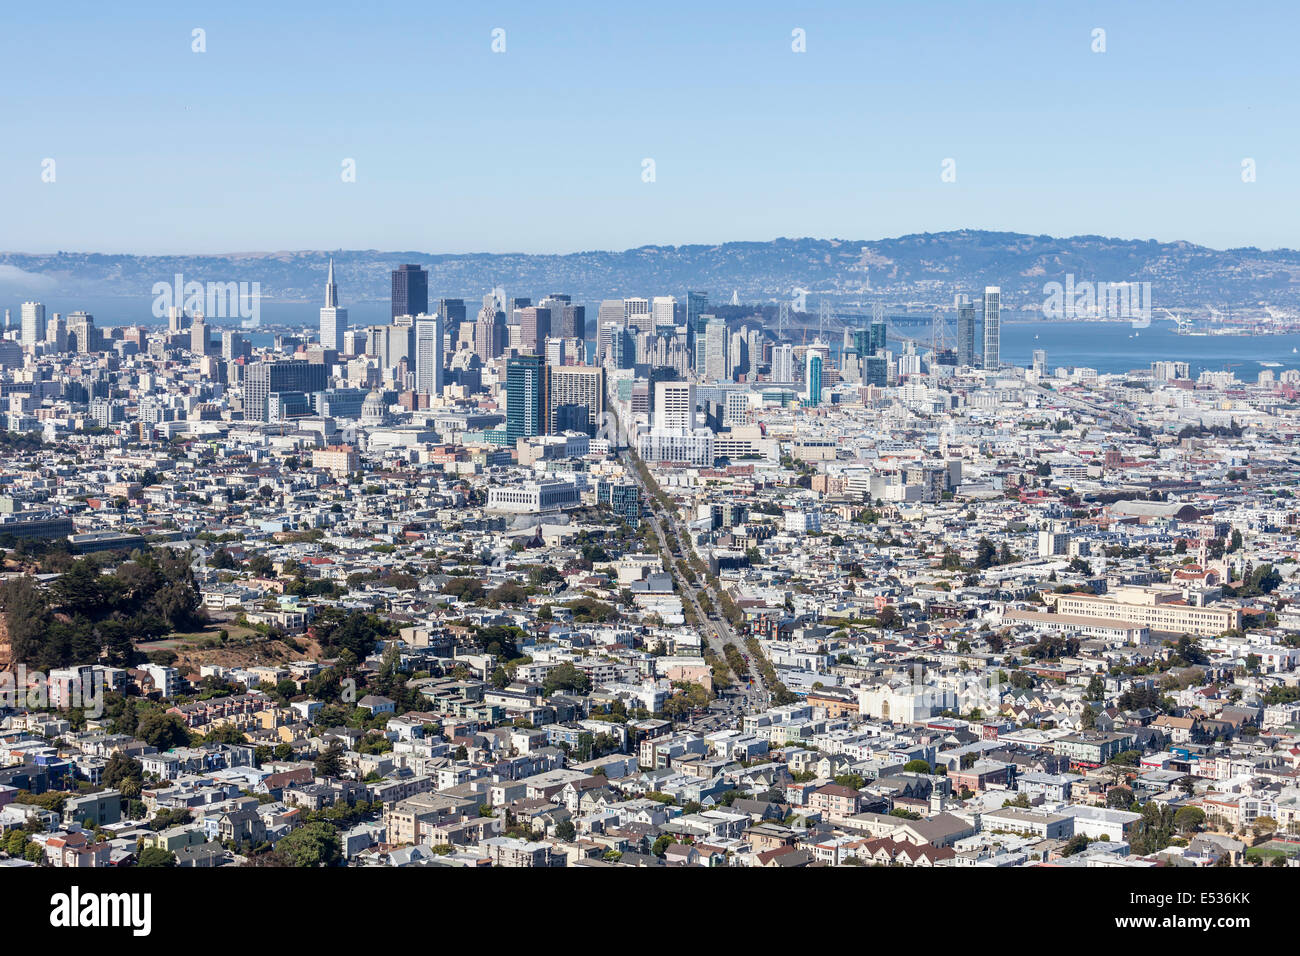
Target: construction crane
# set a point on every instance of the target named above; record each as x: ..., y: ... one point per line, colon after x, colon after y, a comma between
x: 1184, y: 325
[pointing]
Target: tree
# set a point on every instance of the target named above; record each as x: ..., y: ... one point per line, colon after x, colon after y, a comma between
x: 916, y: 766
x: 565, y: 677
x: 313, y: 844
x: 329, y: 762
x: 565, y: 830
x: 162, y: 730
x: 1264, y: 824
x: 1119, y: 798
x: 1096, y: 688
x: 1189, y: 819
x: 124, y: 775
x: 1077, y: 844
x: 888, y: 617
x: 157, y: 856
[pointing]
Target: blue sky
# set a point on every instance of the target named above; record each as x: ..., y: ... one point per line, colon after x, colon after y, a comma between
x: 539, y: 149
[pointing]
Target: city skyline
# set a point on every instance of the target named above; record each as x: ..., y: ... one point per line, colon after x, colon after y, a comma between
x: 654, y: 542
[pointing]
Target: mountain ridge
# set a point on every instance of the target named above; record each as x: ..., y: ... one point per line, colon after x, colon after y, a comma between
x: 919, y: 269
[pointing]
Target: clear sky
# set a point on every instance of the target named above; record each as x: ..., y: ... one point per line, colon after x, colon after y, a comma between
x: 159, y: 149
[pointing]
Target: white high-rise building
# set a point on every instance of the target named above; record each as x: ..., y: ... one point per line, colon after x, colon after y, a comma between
x: 636, y: 314
x: 56, y: 334
x: 674, y: 405
x: 333, y: 320
x: 33, y: 322
x: 717, y: 367
x: 663, y: 309
x: 428, y: 354
x: 783, y: 363
x: 992, y: 328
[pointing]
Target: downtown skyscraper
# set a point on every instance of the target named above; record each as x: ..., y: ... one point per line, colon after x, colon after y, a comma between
x: 525, y: 402
x: 33, y: 323
x: 489, y: 330
x: 992, y: 328
x: 697, y: 303
x: 428, y: 355
x: 410, y: 291
x: 966, y: 355
x: 333, y: 320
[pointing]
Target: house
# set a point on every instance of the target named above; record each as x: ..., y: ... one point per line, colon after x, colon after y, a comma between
x: 512, y: 852
x: 835, y: 801
x: 201, y: 855
x: 1180, y: 730
x: 942, y: 829
x: 241, y: 826
x: 100, y: 809
x: 375, y: 704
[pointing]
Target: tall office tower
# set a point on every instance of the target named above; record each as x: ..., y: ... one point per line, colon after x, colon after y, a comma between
x: 175, y: 319
x: 410, y: 291
x: 877, y: 340
x: 489, y: 330
x: 568, y: 321
x: 605, y: 341
x: 965, y: 331
x: 525, y: 405
x: 754, y: 350
x: 534, y: 329
x: 716, y: 356
x: 875, y: 371
x: 333, y: 320
x: 56, y: 333
x: 234, y: 345
x: 267, y: 379
x: 663, y: 311
x: 428, y: 355
x: 992, y: 329
x: 8, y: 321
x: 199, y: 336
x: 452, y: 312
x: 674, y: 405
x: 354, y: 341
x: 575, y: 398
x: 572, y: 323
x: 609, y: 314
x: 399, y: 343
x: 783, y: 363
x: 620, y: 348
x: 1040, y: 361
x: 83, y: 337
x: 737, y: 354
x: 33, y: 323
x: 636, y: 314
x: 697, y: 303
x: 814, y: 363
x: 553, y: 351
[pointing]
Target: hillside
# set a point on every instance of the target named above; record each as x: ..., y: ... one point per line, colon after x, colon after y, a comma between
x: 924, y: 269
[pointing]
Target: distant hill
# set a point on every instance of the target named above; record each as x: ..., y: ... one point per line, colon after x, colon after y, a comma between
x: 922, y: 270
